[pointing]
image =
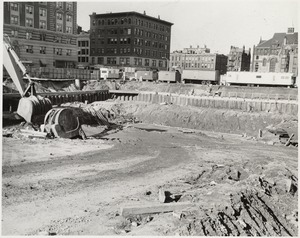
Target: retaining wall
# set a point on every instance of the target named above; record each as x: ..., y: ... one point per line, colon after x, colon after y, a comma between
x: 249, y: 105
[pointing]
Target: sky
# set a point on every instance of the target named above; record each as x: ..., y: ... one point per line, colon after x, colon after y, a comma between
x: 218, y: 24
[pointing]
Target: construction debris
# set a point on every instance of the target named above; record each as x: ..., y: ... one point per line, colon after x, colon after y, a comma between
x: 161, y: 195
x: 150, y: 209
x: 33, y: 134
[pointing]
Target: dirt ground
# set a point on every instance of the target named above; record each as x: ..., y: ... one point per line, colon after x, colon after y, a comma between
x: 236, y: 183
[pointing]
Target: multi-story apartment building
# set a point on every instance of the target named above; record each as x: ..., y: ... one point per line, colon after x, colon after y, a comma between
x: 129, y: 39
x: 278, y: 54
x: 201, y: 60
x: 239, y: 59
x: 83, y: 43
x: 43, y: 34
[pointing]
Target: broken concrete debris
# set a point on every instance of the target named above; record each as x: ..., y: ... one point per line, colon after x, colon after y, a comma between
x: 161, y: 195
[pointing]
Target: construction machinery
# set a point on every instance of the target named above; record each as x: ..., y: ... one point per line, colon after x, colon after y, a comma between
x: 30, y: 104
x: 58, y: 121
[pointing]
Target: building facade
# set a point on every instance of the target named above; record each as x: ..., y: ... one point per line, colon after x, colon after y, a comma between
x: 239, y: 59
x: 129, y: 39
x: 278, y: 54
x: 200, y: 59
x: 83, y: 43
x: 43, y: 34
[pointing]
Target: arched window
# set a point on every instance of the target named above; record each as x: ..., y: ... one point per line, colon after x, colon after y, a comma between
x: 129, y: 20
x: 264, y: 62
x: 273, y: 65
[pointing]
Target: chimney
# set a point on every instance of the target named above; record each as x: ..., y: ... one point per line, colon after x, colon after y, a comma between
x: 290, y: 30
x: 94, y: 13
x: 144, y: 12
x: 197, y: 46
x: 158, y: 16
x: 190, y: 46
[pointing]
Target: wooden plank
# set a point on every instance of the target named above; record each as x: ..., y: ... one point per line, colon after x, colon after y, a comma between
x: 149, y: 209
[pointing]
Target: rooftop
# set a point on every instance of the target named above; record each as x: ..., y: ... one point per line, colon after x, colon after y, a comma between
x: 278, y: 38
x: 119, y: 14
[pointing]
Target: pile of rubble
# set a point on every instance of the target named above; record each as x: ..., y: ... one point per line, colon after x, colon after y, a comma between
x: 222, y: 201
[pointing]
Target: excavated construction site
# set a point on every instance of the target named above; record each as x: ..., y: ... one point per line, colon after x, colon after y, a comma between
x: 173, y: 159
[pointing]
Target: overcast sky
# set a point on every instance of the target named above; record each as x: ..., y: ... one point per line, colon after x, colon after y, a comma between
x: 216, y: 23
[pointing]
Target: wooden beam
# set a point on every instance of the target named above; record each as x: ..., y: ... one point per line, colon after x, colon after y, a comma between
x: 156, y: 208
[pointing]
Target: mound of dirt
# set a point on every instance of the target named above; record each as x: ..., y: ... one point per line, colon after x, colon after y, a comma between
x: 186, y: 89
x: 92, y: 85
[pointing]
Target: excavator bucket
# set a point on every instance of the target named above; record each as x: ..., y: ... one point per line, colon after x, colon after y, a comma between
x: 33, y: 106
x: 62, y: 123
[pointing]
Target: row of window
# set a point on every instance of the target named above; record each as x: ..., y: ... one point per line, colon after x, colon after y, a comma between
x: 137, y: 51
x: 59, y: 28
x: 124, y: 31
x: 284, y: 61
x: 121, y: 21
x: 137, y: 41
x: 57, y: 51
x: 149, y: 34
x: 83, y: 59
x: 69, y: 5
x: 125, y: 61
x: 83, y: 43
x: 83, y: 52
x: 115, y: 31
x: 273, y: 51
x: 42, y: 37
x: 194, y: 65
x: 14, y: 20
x: 112, y: 21
x: 192, y: 58
x: 59, y: 16
x: 30, y: 9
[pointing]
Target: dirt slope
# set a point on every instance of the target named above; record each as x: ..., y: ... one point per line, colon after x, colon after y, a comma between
x: 208, y: 119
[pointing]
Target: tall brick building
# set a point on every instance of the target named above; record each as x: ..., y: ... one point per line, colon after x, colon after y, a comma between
x: 43, y: 33
x: 239, y: 59
x: 278, y: 54
x: 129, y: 39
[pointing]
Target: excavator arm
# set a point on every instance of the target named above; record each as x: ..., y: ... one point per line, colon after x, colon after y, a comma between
x: 30, y: 104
